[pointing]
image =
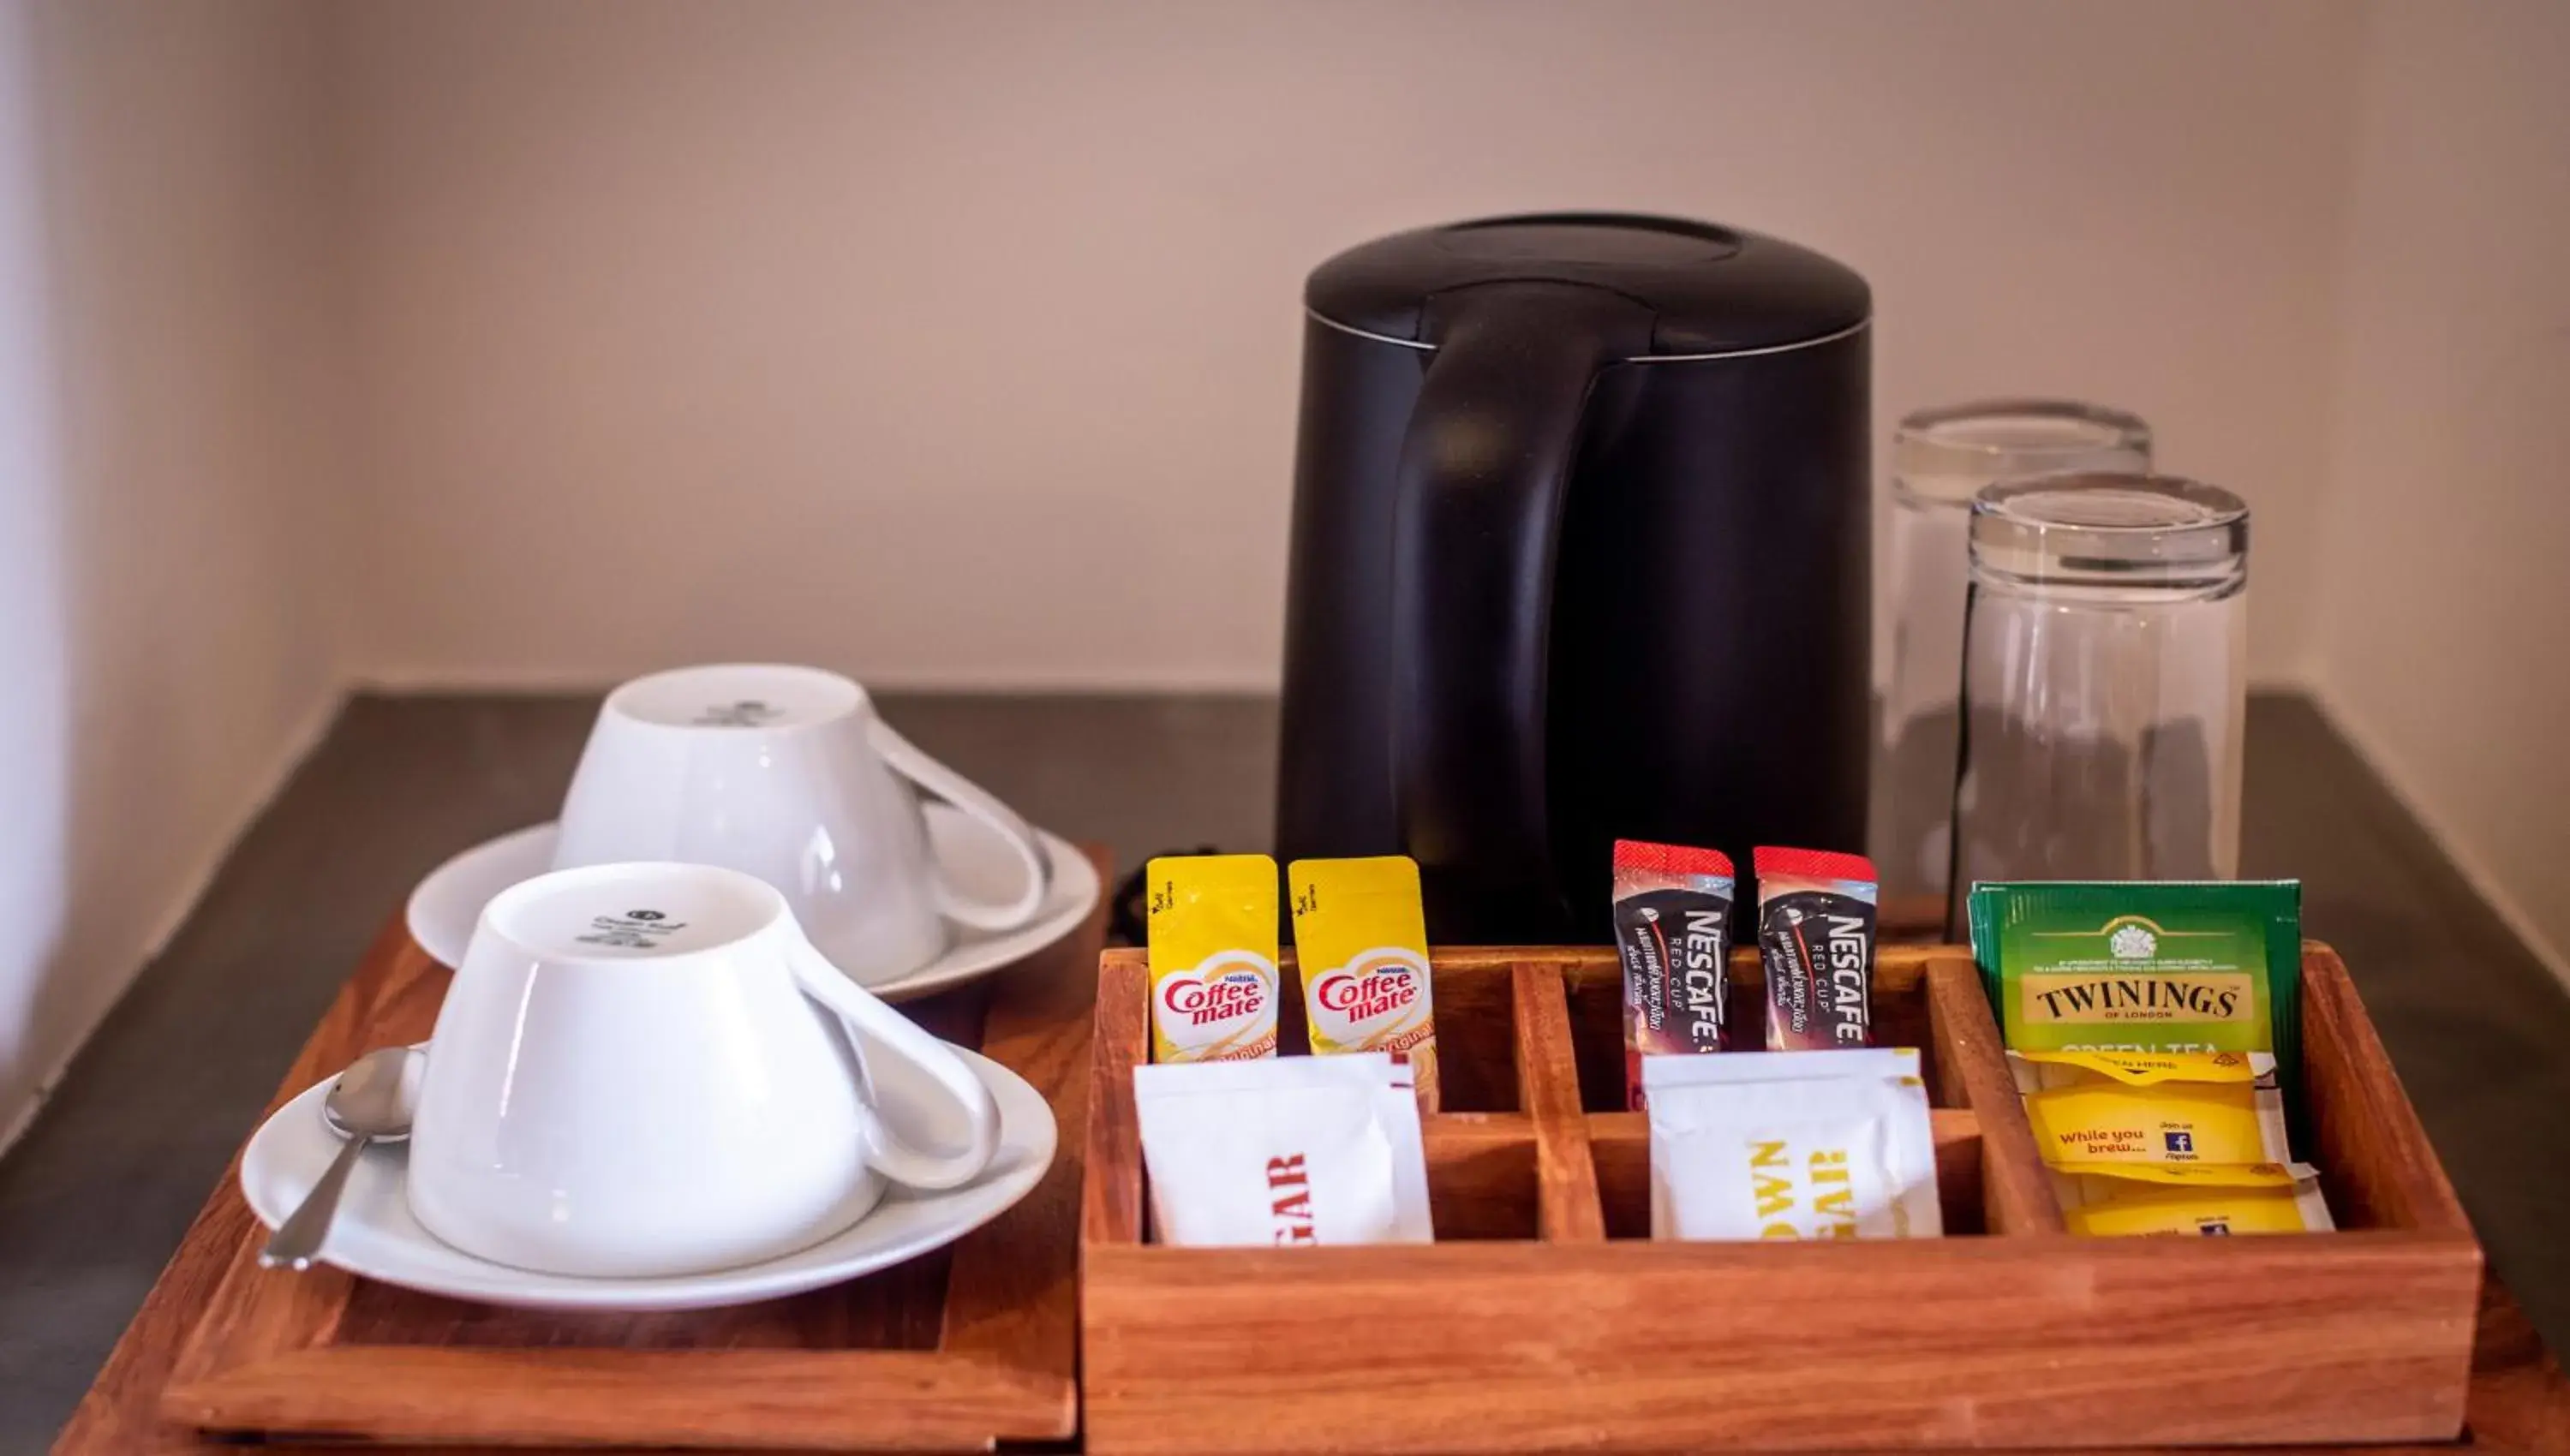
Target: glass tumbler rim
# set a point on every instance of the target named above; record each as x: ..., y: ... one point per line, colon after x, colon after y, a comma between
x: 2036, y: 502
x: 2102, y: 528
x: 2000, y: 438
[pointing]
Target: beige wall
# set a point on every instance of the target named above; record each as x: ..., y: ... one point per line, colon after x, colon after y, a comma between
x: 2445, y: 590
x: 162, y: 448
x: 955, y: 343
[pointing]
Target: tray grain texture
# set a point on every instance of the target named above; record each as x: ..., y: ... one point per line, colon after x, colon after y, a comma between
x: 950, y: 1353
x: 1544, y: 1318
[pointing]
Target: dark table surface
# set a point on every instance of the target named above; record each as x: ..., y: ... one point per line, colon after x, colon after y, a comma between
x: 95, y: 1197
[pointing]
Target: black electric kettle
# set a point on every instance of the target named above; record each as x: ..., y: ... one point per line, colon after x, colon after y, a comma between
x: 1580, y: 551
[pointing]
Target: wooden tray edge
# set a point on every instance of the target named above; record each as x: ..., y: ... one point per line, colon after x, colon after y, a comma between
x: 165, y: 1376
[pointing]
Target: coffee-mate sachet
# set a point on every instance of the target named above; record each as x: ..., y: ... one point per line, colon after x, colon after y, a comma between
x: 1213, y: 957
x: 1362, y: 943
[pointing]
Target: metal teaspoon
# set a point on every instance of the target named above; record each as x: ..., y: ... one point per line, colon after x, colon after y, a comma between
x: 364, y: 1106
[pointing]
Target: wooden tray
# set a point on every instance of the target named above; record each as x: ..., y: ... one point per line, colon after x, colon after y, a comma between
x: 953, y: 1351
x: 1544, y: 1319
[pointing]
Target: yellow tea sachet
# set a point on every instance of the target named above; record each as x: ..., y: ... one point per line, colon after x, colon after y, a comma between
x: 2210, y: 1200
x: 1213, y: 957
x: 2038, y: 1070
x: 1362, y: 943
x: 2093, y: 1108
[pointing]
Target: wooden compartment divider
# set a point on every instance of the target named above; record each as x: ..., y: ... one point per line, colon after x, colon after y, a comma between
x: 1543, y: 1318
x: 1566, y: 1196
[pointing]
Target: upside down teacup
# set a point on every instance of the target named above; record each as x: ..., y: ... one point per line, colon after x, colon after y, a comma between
x: 787, y: 773
x: 648, y: 1069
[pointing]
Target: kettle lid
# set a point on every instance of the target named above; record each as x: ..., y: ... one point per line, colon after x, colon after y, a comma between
x: 1711, y: 289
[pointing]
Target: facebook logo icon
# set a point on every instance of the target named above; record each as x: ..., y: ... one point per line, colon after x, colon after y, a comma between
x: 2181, y: 1142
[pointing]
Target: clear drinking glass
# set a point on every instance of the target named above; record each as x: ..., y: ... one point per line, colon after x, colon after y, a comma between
x: 1940, y: 459
x: 2105, y: 680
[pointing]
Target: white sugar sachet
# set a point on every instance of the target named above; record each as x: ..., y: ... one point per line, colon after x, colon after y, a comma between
x: 1814, y: 1158
x: 1285, y: 1152
x: 1779, y: 1066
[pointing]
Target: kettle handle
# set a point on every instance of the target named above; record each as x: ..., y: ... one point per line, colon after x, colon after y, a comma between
x: 1477, y: 518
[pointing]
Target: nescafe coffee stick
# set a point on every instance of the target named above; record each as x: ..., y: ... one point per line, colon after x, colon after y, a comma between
x: 1816, y: 944
x: 1672, y: 928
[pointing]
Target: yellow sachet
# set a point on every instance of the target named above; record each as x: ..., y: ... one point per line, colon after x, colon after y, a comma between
x: 2110, y: 1180
x: 2098, y: 1108
x: 1213, y: 957
x: 2039, y: 1069
x: 2204, y: 1200
x: 1362, y: 944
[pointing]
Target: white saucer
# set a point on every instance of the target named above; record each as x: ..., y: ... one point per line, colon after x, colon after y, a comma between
x: 971, y: 857
x: 376, y: 1236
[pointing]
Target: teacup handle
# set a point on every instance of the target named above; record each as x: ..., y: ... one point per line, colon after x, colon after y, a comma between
x: 937, y: 779
x: 892, y: 1157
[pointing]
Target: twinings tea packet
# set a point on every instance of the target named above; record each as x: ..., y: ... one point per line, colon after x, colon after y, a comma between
x: 1288, y: 1152
x: 2144, y: 967
x: 1212, y: 932
x: 1362, y: 944
x: 2092, y: 1109
x: 1673, y: 930
x: 1818, y: 1156
x: 1816, y: 943
x: 2210, y: 1201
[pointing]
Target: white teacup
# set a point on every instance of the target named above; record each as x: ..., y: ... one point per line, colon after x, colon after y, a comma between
x: 786, y: 773
x: 646, y: 1069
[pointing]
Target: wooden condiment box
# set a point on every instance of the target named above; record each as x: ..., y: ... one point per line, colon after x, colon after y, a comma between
x: 1545, y: 1318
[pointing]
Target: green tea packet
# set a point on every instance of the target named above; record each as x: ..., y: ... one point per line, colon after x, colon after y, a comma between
x: 2198, y: 966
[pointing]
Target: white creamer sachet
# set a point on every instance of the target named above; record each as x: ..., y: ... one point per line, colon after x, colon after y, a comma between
x: 1285, y: 1152
x: 1828, y: 1145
